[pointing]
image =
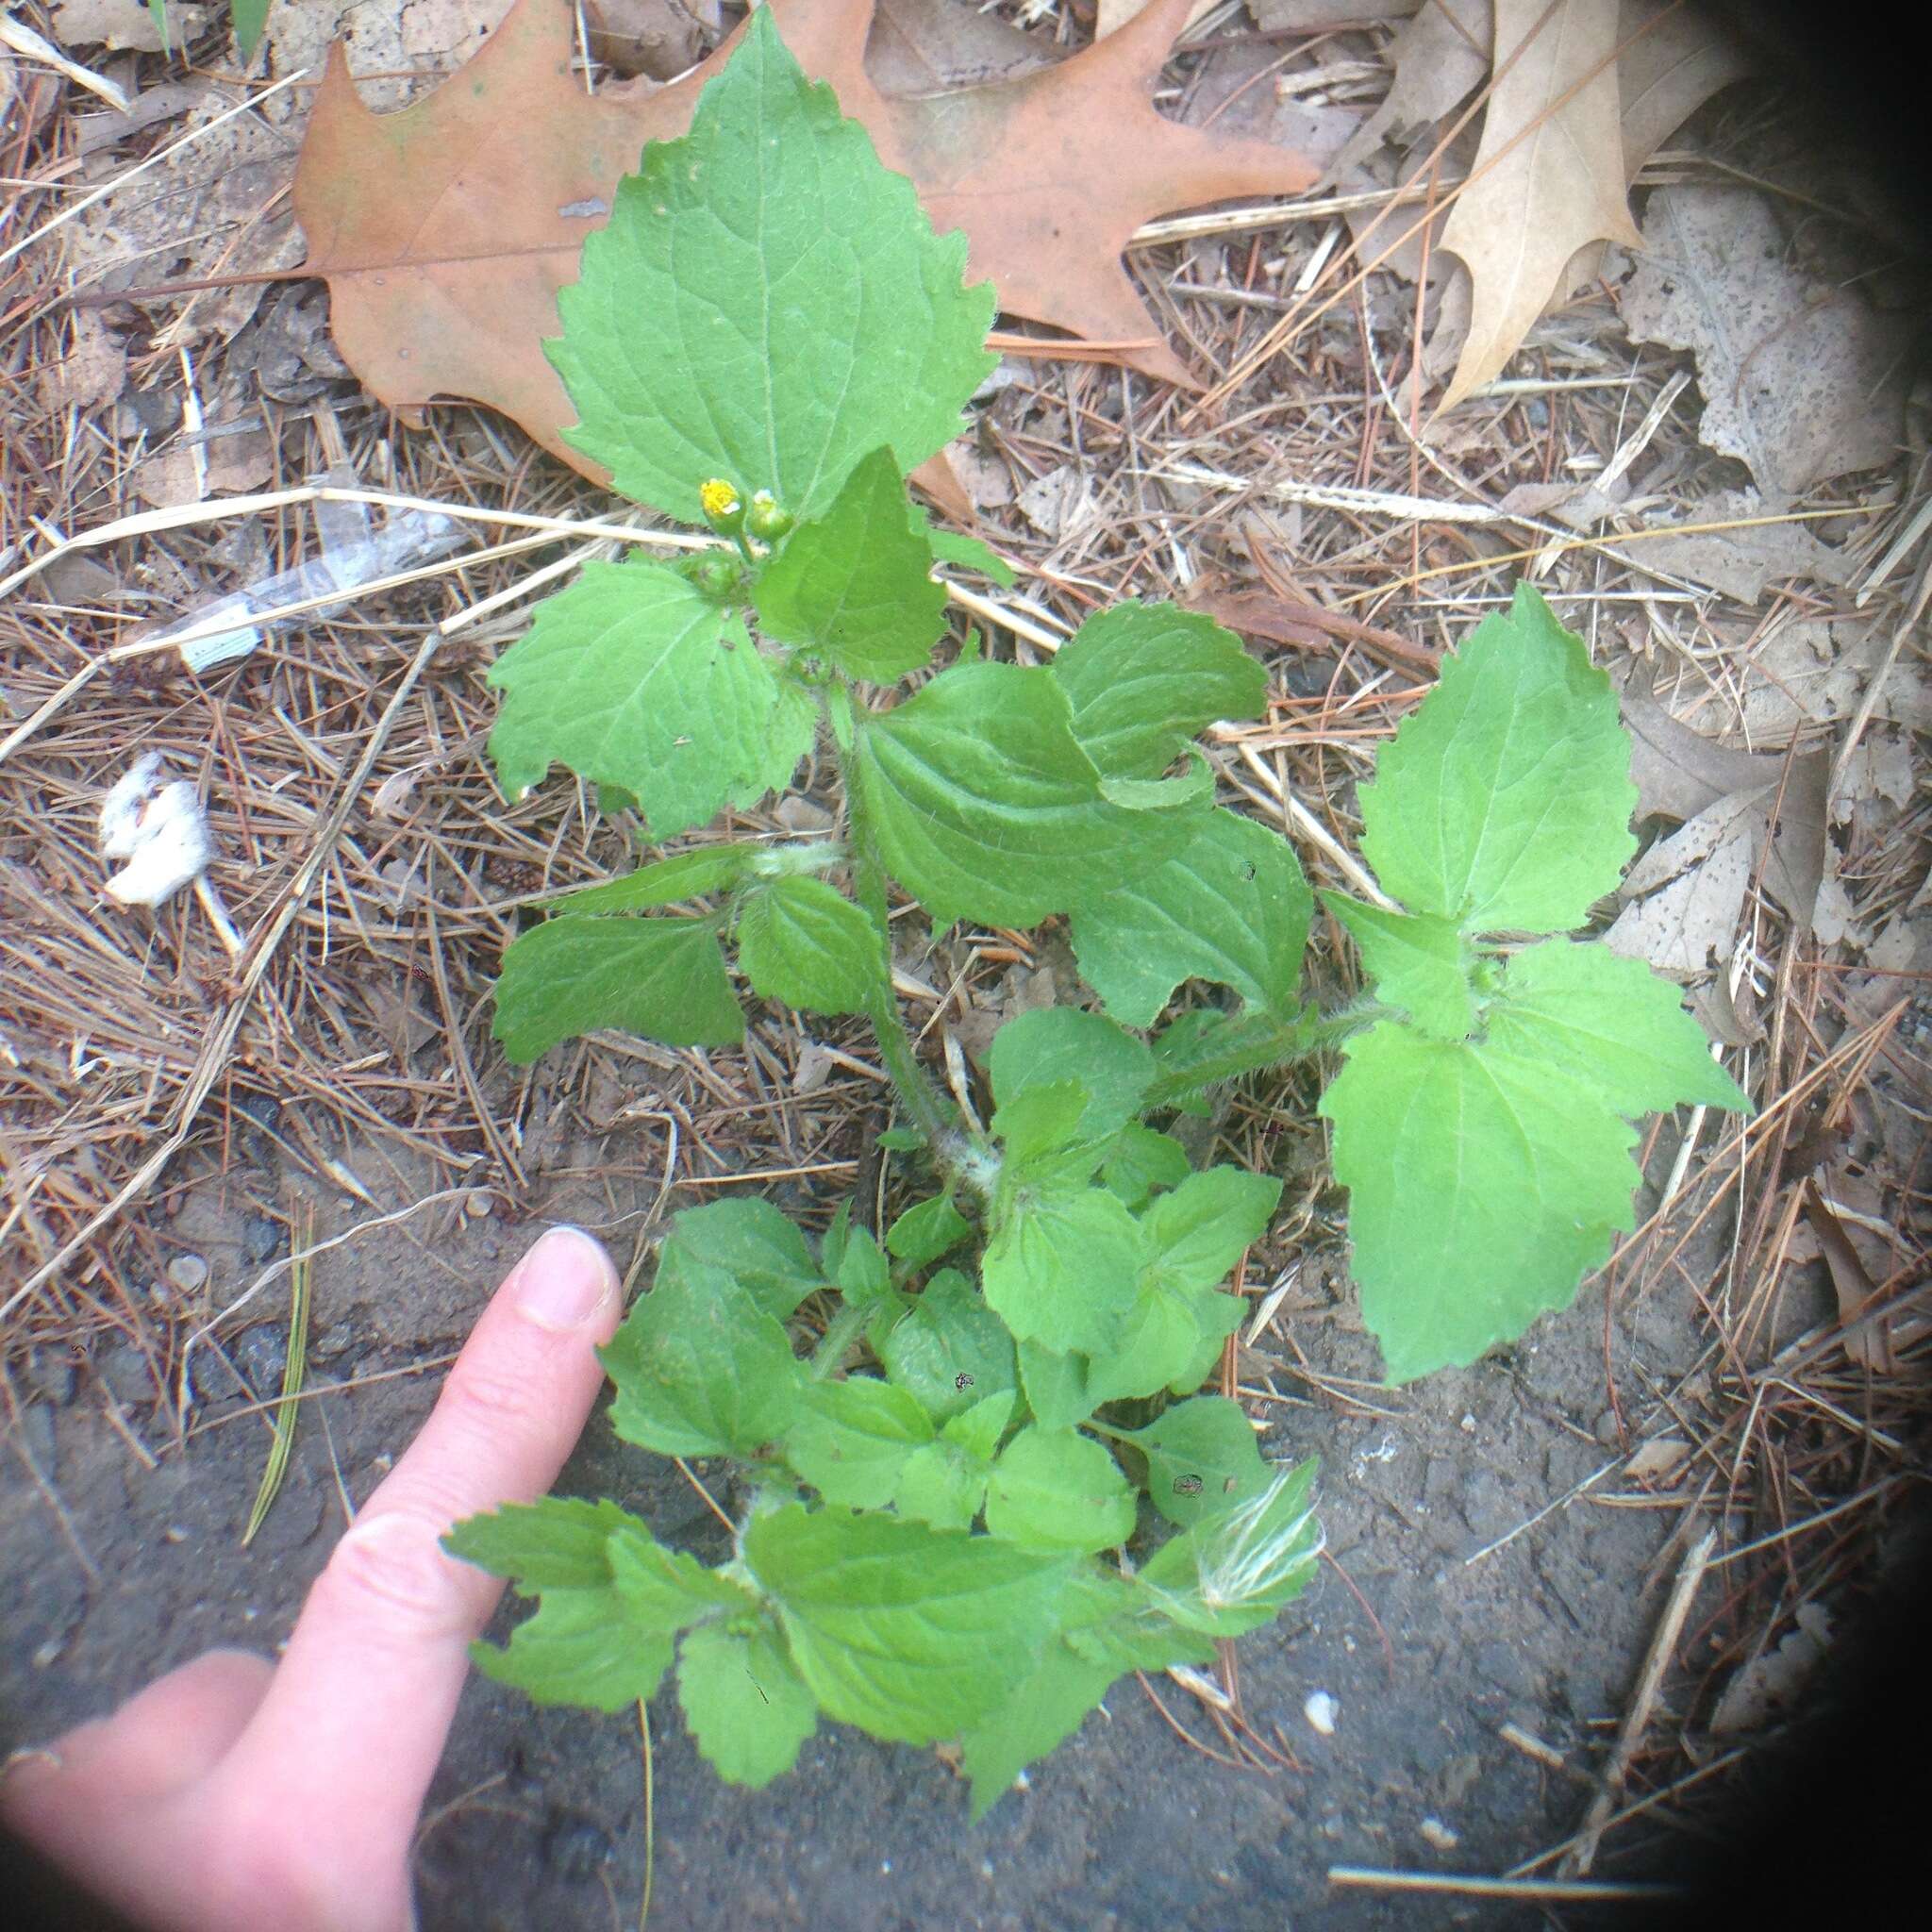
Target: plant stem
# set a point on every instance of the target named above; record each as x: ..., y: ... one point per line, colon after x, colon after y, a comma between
x: 839, y: 1338
x: 1252, y: 1043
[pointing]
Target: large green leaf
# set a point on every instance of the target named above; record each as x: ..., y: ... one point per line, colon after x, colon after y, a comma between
x: 1487, y: 1177
x: 1063, y: 1266
x: 746, y: 1706
x: 1143, y: 679
x: 751, y: 1242
x: 700, y: 1367
x: 803, y: 942
x: 1503, y: 801
x: 1201, y: 1459
x: 1197, y: 1232
x: 1056, y: 1386
x: 949, y: 1349
x: 1418, y: 961
x: 945, y: 1482
x: 851, y: 1440
x: 1058, y: 1043
x: 986, y: 807
x: 907, y: 1632
x: 1230, y: 906
x: 661, y: 977
x: 1053, y: 1489
x: 633, y: 677
x: 857, y: 585
x: 1610, y: 1022
x: 612, y: 1599
x: 766, y: 304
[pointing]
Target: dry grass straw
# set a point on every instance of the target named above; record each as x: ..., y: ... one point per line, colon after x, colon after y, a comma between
x: 1356, y: 548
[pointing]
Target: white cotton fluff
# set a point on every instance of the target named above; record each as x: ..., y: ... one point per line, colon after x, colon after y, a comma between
x: 157, y: 825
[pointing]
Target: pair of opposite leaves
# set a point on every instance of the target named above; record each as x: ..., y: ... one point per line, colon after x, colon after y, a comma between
x: 445, y: 230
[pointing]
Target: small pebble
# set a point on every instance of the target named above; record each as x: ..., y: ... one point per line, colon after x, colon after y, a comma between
x: 1321, y: 1711
x: 50, y: 1374
x: 187, y: 1273
x: 261, y: 1356
x: 478, y: 1203
x: 125, y: 1370
x: 1604, y: 1429
x: 1439, y: 1834
x: 262, y: 1240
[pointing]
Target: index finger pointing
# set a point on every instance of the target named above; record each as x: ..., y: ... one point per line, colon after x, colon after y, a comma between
x: 351, y: 1729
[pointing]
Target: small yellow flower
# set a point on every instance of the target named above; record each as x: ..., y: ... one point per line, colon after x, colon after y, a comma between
x: 723, y: 506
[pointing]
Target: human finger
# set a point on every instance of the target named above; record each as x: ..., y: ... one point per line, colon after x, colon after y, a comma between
x: 166, y: 1736
x: 354, y: 1723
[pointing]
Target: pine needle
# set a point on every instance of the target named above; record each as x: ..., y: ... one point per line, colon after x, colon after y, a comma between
x: 293, y: 1371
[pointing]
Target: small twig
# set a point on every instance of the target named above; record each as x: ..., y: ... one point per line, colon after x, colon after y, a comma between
x: 1637, y: 1719
x: 1552, y: 1890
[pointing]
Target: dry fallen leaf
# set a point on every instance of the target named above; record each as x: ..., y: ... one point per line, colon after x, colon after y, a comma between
x: 1774, y: 1681
x: 1683, y: 897
x: 1802, y: 380
x: 445, y: 230
x: 132, y: 24
x: 1549, y: 175
x: 91, y: 371
x: 1741, y: 562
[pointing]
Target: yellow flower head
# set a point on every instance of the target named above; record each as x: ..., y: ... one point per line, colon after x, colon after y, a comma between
x: 720, y: 501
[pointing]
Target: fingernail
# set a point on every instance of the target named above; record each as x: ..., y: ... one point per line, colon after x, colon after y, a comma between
x: 29, y: 1761
x: 565, y: 1280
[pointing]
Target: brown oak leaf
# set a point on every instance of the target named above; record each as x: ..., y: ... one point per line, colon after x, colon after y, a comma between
x: 445, y: 229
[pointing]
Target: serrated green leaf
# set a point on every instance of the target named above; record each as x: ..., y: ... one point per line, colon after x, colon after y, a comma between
x: 748, y: 1709
x: 1141, y: 1161
x: 949, y: 1349
x: 1612, y: 1022
x: 664, y: 882
x: 578, y: 1649
x: 923, y: 1233
x: 864, y: 1274
x: 632, y: 677
x: 1050, y: 1704
x: 1201, y: 1459
x: 1486, y: 1178
x: 850, y: 1440
x: 986, y: 807
x: 789, y: 733
x: 1169, y: 1338
x: 596, y: 1637
x: 1053, y: 1044
x: 945, y: 1482
x: 1040, y: 1129
x: 1232, y: 1571
x: 942, y: 1486
x: 1418, y: 961
x: 1503, y: 801
x: 1143, y: 679
x: 855, y: 585
x: 907, y: 1632
x: 1200, y: 1230
x: 1052, y: 1489
x: 1063, y: 1267
x: 803, y: 942
x: 663, y: 1590
x: 1230, y: 906
x: 968, y: 552
x: 978, y: 1430
x: 751, y: 1242
x: 700, y: 1367
x: 801, y: 312
x: 1056, y: 1386
x: 661, y: 977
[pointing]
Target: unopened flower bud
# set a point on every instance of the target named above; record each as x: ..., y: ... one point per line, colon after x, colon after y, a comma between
x: 765, y: 520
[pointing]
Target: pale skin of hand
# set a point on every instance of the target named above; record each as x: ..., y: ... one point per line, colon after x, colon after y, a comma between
x: 237, y: 1794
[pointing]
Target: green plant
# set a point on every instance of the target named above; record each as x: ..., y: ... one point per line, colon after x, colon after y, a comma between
x: 1024, y: 1346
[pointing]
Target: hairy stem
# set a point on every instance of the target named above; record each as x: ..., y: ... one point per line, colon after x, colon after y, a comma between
x: 1254, y: 1041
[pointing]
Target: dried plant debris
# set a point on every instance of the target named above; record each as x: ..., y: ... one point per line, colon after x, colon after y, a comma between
x: 1803, y: 381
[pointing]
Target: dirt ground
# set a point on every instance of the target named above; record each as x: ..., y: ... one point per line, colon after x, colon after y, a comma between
x: 1502, y: 1540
